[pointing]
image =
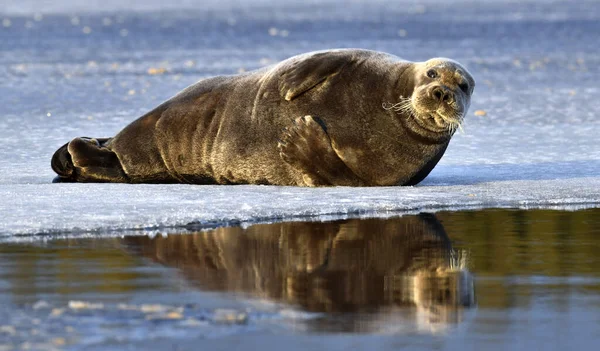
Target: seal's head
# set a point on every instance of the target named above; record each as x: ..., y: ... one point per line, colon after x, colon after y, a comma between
x: 440, y: 97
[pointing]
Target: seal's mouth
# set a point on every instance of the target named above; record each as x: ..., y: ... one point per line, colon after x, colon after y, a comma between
x: 442, y: 120
x: 438, y: 120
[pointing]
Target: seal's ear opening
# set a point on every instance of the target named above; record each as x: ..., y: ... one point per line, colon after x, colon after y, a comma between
x: 62, y: 164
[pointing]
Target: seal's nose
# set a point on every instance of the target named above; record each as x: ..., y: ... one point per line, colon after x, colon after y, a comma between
x: 440, y: 94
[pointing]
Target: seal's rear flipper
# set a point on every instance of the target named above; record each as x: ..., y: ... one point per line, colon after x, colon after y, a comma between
x: 87, y: 160
x: 62, y: 164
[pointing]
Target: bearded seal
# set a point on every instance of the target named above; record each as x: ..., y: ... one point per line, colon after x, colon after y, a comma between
x: 346, y: 117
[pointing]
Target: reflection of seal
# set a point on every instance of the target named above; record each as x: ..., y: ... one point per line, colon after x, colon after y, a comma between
x: 403, y: 264
x: 340, y: 117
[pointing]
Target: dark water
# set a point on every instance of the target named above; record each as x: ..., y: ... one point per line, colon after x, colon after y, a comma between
x: 494, y: 279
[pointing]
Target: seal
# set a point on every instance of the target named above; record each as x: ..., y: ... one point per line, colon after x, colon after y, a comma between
x: 346, y: 117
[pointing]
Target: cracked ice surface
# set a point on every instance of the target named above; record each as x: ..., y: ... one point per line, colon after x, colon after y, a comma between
x: 68, y: 71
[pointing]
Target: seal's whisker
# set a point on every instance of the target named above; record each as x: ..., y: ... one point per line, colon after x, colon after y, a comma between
x: 403, y: 106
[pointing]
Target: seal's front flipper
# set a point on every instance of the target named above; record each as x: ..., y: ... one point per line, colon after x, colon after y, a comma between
x: 312, y: 71
x: 307, y: 147
x: 87, y: 160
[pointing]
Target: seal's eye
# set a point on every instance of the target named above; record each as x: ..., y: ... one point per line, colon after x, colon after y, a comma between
x: 431, y: 74
x: 464, y: 87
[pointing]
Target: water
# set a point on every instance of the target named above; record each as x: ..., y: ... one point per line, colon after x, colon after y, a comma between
x: 494, y: 279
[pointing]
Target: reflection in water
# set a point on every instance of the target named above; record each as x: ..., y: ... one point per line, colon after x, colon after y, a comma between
x: 538, y: 280
x: 372, y: 266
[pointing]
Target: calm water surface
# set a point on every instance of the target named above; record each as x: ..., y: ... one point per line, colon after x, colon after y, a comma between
x: 494, y: 279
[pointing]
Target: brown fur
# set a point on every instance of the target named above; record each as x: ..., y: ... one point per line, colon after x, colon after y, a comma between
x: 314, y: 119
